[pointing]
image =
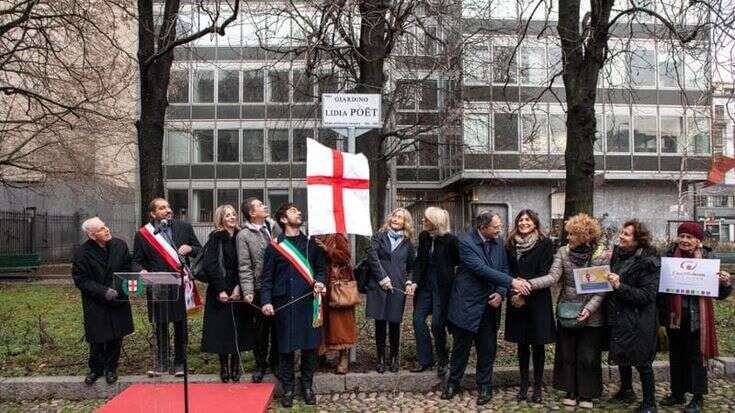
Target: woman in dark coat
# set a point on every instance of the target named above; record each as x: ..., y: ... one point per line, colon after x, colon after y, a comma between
x: 529, y: 320
x: 438, y: 256
x: 227, y: 329
x: 690, y: 325
x: 630, y: 311
x: 391, y: 257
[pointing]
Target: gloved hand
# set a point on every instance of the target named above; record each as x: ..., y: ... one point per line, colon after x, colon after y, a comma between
x: 110, y: 294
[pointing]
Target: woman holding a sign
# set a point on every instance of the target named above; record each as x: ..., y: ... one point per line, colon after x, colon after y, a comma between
x: 690, y: 322
x: 580, y: 330
x: 631, y: 312
x: 529, y: 319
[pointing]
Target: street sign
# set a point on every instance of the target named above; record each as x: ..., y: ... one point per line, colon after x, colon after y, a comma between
x: 351, y: 110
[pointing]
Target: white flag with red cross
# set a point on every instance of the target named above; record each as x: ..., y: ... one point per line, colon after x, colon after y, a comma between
x: 338, y: 191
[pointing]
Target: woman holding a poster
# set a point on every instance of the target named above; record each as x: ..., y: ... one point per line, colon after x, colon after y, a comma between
x: 580, y: 321
x: 630, y: 311
x: 690, y: 325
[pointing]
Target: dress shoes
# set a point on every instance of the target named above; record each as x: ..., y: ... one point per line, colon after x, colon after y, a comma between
x: 672, y: 400
x: 450, y: 391
x: 91, y: 378
x: 380, y: 367
x: 484, y: 395
x: 309, y: 396
x: 393, y: 368
x: 258, y: 375
x: 111, y: 377
x: 624, y: 396
x: 422, y: 368
x: 537, y: 396
x: 695, y: 406
x: 287, y: 399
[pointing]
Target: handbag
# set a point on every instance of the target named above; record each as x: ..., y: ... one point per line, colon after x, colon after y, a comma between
x: 343, y: 293
x: 567, y: 312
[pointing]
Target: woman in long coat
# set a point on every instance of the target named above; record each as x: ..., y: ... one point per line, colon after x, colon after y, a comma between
x: 578, y: 356
x: 436, y: 261
x: 227, y: 329
x: 631, y: 312
x: 690, y: 325
x: 529, y: 320
x: 391, y: 257
x: 340, y: 327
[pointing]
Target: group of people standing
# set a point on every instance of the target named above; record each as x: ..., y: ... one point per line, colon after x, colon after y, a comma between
x: 274, y: 290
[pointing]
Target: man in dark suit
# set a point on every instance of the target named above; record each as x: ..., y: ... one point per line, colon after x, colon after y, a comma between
x: 147, y: 257
x: 474, y: 307
x: 107, y: 316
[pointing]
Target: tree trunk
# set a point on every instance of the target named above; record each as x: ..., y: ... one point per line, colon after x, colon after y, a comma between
x: 154, y: 80
x: 372, y: 52
x: 579, y: 160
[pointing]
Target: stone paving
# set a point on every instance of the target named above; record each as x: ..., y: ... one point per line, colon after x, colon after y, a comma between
x: 720, y: 399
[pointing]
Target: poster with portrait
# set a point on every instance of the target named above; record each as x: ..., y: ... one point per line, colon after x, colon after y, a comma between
x: 592, y: 280
x: 689, y: 276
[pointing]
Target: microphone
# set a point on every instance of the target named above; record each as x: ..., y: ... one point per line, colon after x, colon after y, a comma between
x: 162, y: 224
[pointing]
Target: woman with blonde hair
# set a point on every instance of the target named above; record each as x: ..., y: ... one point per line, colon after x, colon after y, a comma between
x: 227, y: 330
x: 438, y: 256
x: 580, y: 321
x: 391, y: 259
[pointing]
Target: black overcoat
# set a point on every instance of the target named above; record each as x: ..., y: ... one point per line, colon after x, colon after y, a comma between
x: 227, y: 326
x: 398, y: 266
x: 630, y: 310
x: 534, y: 322
x: 146, y: 258
x: 445, y: 259
x: 93, y: 271
x: 281, y: 283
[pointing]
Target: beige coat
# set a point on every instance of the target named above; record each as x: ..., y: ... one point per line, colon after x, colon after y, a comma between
x: 562, y: 270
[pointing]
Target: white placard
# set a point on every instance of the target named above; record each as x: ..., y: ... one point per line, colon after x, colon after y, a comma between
x: 592, y: 280
x: 689, y: 276
x: 351, y: 110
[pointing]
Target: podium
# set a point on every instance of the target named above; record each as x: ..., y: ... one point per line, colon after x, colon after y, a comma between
x: 162, y: 287
x: 158, y: 288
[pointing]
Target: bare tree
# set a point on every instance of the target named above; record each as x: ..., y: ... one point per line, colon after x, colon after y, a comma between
x: 63, y: 81
x: 394, y: 48
x: 158, y: 36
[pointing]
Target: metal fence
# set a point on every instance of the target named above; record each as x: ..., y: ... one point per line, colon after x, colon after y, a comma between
x: 52, y: 237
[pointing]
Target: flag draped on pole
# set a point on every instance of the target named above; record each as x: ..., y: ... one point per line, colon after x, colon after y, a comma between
x: 719, y: 168
x: 338, y: 191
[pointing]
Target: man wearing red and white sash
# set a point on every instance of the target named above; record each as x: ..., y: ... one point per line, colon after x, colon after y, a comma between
x: 159, y: 246
x: 292, y: 284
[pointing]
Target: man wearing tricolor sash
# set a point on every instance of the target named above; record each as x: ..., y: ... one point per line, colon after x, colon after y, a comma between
x: 291, y: 290
x: 163, y: 245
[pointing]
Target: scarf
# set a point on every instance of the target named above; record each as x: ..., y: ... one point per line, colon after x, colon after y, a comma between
x: 395, y: 238
x: 581, y: 255
x: 525, y: 244
x: 707, y: 333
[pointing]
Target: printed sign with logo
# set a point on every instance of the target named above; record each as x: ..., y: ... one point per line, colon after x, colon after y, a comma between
x: 689, y: 276
x: 592, y: 280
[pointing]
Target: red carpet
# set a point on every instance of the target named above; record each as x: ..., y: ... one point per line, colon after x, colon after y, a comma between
x: 221, y: 398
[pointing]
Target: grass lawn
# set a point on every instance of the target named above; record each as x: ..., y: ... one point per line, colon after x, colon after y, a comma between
x: 41, y: 333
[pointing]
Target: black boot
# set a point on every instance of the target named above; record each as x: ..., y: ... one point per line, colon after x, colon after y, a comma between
x: 673, y: 400
x: 537, y: 397
x: 393, y: 364
x: 484, y: 395
x: 450, y: 391
x: 523, y: 389
x: 287, y: 399
x: 91, y: 378
x: 235, y: 368
x: 623, y: 396
x: 696, y: 405
x: 224, y: 371
x: 380, y: 367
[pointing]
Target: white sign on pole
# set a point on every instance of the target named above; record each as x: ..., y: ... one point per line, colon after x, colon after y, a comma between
x: 351, y: 110
x: 688, y: 276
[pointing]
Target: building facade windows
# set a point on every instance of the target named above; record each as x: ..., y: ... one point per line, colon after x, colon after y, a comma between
x: 252, y: 145
x: 203, y: 86
x: 253, y: 86
x: 178, y: 86
x: 177, y: 147
x: 476, y: 137
x: 228, y: 142
x: 278, y: 145
x: 203, y: 146
x: 228, y: 86
x: 618, y: 133
x: 505, y: 128
x: 644, y: 134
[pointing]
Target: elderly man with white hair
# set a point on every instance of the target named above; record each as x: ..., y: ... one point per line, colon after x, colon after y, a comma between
x: 107, y: 316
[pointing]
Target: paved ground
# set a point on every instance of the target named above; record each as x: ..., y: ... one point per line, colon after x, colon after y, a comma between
x: 720, y: 399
